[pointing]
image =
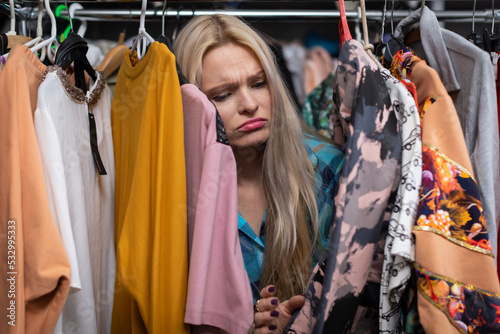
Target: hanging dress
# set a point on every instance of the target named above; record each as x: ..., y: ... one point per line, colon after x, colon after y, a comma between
x: 151, y: 209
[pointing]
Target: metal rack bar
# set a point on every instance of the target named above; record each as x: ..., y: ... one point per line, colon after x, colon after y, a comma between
x: 118, y: 14
x: 111, y: 14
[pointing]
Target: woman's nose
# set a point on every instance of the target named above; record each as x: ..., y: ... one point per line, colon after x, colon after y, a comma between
x: 247, y: 102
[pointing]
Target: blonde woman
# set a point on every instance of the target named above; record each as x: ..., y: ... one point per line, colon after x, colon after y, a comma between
x: 286, y: 175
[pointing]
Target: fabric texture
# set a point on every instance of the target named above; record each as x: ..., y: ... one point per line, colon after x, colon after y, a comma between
x: 318, y: 65
x: 399, y: 252
x: 218, y: 285
x: 37, y: 276
x: 151, y: 224
x: 327, y: 162
x: 373, y: 147
x: 76, y: 189
x: 456, y: 61
x: 294, y: 54
x: 317, y: 106
x: 457, y: 290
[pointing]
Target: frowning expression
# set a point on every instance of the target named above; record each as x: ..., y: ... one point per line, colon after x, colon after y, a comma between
x: 234, y: 80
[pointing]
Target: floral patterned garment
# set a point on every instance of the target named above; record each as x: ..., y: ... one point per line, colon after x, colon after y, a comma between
x: 372, y: 163
x: 450, y: 207
x: 449, y: 202
x: 469, y: 308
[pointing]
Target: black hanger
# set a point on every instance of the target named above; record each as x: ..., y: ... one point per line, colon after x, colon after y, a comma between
x: 392, y: 47
x: 74, y: 50
x: 474, y: 36
x: 164, y: 40
x: 486, y: 40
x: 495, y: 41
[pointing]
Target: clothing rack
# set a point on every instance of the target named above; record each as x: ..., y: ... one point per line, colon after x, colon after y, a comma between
x: 322, y: 14
x: 120, y: 14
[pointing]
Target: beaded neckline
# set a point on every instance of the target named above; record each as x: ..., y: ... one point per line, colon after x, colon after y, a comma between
x: 75, y: 93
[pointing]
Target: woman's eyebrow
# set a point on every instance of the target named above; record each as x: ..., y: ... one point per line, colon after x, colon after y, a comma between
x: 257, y: 75
x: 228, y: 86
x: 220, y: 88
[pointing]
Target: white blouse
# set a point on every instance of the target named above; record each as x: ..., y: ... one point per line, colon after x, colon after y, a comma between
x: 81, y: 200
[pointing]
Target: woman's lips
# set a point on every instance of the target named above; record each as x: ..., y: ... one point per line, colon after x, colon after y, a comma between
x: 252, y: 124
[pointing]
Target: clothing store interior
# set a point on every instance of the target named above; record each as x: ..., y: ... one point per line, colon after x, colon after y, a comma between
x: 262, y: 166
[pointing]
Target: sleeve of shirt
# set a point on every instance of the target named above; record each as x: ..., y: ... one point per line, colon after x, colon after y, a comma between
x: 327, y: 161
x: 56, y: 187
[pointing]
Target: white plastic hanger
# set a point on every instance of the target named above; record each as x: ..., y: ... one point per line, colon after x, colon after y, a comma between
x: 83, y: 26
x: 53, y: 35
x: 39, y: 30
x: 143, y: 37
x: 12, y: 30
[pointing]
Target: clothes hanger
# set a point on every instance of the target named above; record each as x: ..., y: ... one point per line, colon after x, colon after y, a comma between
x: 39, y: 28
x: 36, y: 43
x: 47, y: 44
x: 163, y: 39
x: 344, y: 32
x: 12, y: 37
x: 368, y: 47
x: 474, y: 36
x: 83, y: 23
x: 113, y: 59
x: 73, y: 50
x: 178, y: 21
x: 142, y: 36
x: 495, y: 35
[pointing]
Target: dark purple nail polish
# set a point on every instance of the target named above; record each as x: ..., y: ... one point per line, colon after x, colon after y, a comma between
x: 271, y: 289
x: 273, y: 327
x: 275, y: 314
x: 275, y: 301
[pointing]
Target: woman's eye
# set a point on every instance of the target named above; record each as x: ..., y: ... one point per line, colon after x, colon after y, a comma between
x: 260, y: 84
x: 220, y: 97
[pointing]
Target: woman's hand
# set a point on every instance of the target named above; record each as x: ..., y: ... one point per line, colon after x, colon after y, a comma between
x: 272, y: 316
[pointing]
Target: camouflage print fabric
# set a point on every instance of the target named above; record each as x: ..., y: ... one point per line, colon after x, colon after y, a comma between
x: 372, y: 154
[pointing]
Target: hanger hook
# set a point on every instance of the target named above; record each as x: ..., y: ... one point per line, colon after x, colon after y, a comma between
x: 473, y: 16
x: 69, y: 14
x: 163, y: 18
x: 178, y: 20
x: 422, y: 4
x: 392, y: 18
x: 492, y: 16
x: 12, y: 30
x: 383, y: 22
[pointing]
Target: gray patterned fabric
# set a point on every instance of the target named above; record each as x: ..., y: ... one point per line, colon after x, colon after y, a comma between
x: 370, y: 176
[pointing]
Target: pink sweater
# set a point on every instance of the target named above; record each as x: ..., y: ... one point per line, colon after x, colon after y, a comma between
x: 218, y: 289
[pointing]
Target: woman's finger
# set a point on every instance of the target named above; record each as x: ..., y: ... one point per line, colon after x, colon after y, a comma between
x: 266, y: 330
x: 265, y: 319
x: 266, y: 304
x: 268, y: 291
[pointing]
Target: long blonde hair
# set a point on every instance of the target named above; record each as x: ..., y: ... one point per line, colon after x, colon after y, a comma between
x: 289, y: 181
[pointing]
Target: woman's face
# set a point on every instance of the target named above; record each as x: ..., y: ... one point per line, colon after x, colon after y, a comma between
x: 234, y: 80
